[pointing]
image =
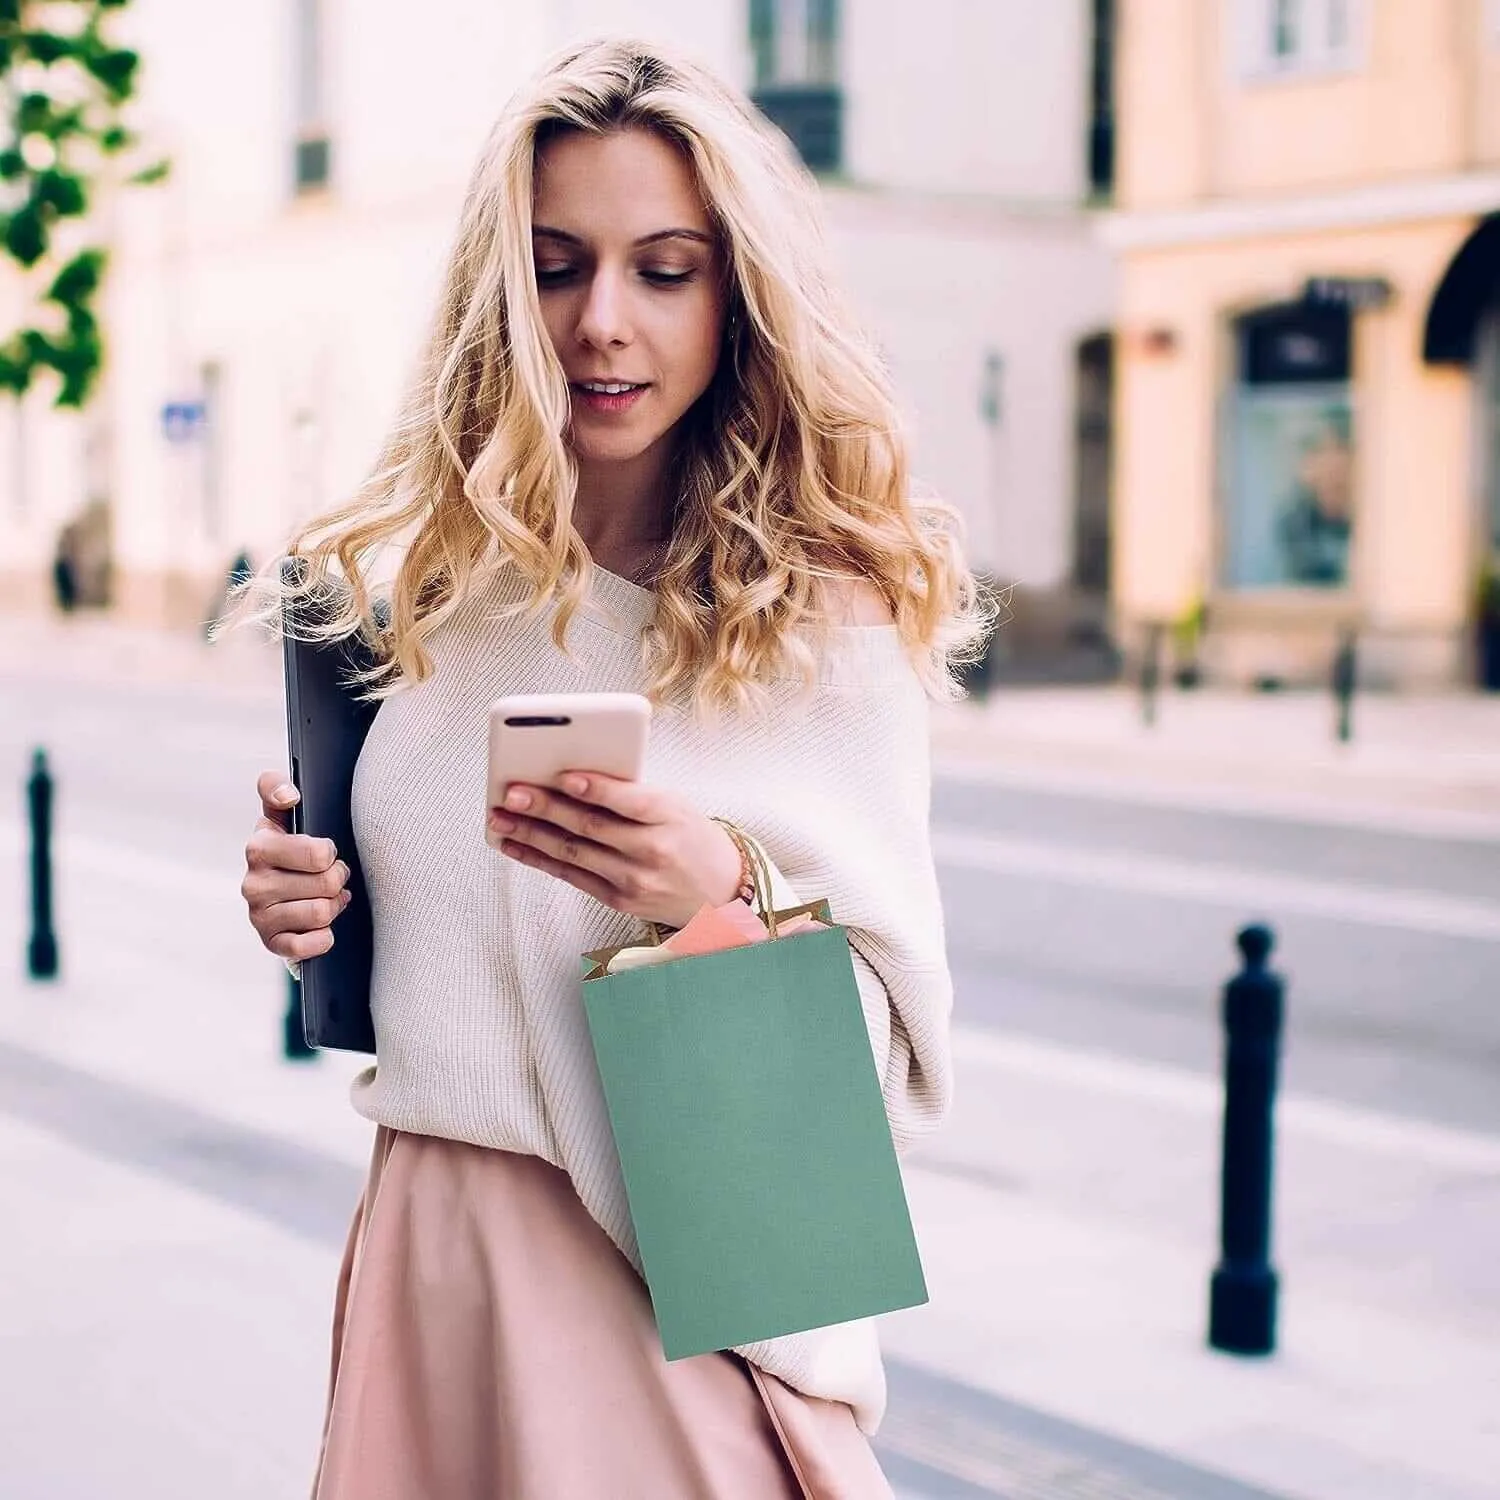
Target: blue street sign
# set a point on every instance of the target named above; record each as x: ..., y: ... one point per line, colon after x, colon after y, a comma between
x: 182, y: 421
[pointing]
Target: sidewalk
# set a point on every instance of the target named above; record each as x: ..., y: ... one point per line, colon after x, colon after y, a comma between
x: 199, y: 1196
x: 1068, y: 1221
x: 1434, y: 755
x: 89, y: 648
x: 1066, y: 1218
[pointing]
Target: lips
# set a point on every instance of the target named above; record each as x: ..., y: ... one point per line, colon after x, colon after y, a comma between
x: 606, y: 397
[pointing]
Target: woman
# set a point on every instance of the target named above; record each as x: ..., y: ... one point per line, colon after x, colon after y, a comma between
x: 646, y: 453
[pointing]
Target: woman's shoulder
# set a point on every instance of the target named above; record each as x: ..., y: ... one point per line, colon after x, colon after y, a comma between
x: 856, y: 645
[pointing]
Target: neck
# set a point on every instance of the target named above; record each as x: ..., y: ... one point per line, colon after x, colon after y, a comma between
x: 622, y: 507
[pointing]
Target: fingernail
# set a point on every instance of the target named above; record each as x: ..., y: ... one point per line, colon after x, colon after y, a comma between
x: 343, y: 873
x: 345, y: 897
x: 285, y: 794
x: 502, y: 824
x: 575, y: 786
x: 517, y: 800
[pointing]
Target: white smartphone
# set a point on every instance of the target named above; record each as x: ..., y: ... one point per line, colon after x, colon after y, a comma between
x: 536, y: 738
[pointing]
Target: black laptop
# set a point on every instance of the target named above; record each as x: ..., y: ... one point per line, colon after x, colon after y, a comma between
x: 326, y: 727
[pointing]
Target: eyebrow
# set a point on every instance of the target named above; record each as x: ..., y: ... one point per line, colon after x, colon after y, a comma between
x: 542, y: 231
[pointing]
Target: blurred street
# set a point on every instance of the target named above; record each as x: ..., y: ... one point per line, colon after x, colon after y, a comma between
x: 197, y: 1187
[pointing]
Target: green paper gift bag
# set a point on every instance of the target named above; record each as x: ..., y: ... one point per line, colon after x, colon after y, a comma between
x: 753, y: 1138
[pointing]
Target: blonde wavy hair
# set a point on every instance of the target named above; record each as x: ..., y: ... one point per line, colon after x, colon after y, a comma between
x: 790, y: 472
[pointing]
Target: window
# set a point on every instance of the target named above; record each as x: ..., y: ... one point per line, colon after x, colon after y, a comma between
x: 1291, y: 479
x: 1284, y: 29
x: 310, y: 164
x: 1281, y: 37
x: 795, y: 45
x: 1101, y: 144
x: 211, y: 379
x: 795, y: 41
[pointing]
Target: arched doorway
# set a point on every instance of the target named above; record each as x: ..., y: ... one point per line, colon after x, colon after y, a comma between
x: 1089, y: 653
x: 1463, y: 328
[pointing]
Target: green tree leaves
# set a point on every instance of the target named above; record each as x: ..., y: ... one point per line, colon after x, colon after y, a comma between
x: 64, y: 85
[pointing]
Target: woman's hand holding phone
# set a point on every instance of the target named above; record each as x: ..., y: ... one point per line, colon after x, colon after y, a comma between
x: 634, y: 848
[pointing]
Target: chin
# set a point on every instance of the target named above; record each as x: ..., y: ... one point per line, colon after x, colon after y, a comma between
x: 608, y: 453
x: 613, y: 448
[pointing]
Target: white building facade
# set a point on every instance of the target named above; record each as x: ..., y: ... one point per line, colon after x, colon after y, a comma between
x: 264, y: 306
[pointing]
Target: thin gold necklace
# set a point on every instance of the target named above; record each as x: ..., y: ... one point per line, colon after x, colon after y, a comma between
x: 643, y: 574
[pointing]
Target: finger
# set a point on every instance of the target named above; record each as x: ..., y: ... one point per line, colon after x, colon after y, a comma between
x: 574, y: 875
x: 271, y: 849
x: 631, y: 800
x: 563, y: 846
x: 303, y: 916
x: 265, y: 888
x: 541, y: 805
x: 277, y: 797
x: 301, y: 945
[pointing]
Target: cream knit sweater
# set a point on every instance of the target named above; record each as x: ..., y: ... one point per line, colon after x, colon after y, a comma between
x: 478, y: 1017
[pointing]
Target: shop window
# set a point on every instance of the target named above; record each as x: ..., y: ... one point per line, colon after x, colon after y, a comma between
x: 795, y: 44
x: 1280, y: 37
x: 1488, y: 386
x: 1290, y: 489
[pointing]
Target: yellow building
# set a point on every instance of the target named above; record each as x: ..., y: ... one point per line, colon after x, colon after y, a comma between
x: 1308, y: 391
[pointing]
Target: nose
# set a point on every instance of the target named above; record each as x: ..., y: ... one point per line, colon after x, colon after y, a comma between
x: 603, y: 320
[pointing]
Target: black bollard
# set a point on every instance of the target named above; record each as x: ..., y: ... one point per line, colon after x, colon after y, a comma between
x: 294, y: 1044
x: 1343, y: 686
x: 41, y: 951
x: 1242, y: 1312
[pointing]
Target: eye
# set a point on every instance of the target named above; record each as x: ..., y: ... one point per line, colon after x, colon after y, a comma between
x: 554, y: 275
x: 667, y: 278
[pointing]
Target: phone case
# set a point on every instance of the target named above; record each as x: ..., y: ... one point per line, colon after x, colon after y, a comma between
x: 536, y: 738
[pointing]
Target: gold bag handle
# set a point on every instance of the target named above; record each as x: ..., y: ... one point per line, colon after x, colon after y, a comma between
x: 754, y: 861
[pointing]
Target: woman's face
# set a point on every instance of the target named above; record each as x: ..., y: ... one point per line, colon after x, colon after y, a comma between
x: 629, y: 275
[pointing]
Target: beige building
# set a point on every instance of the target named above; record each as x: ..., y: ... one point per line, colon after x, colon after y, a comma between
x: 1308, y: 393
x: 264, y: 306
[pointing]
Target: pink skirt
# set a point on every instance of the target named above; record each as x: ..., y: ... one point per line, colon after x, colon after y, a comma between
x: 491, y: 1343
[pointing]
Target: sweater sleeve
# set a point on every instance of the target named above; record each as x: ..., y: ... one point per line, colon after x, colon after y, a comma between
x: 854, y: 828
